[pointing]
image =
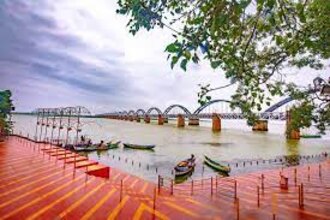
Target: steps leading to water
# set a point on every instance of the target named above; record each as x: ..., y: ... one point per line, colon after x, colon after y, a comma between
x: 85, y: 163
x: 91, y: 167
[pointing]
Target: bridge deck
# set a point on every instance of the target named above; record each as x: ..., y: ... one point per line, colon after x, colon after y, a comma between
x: 36, y: 186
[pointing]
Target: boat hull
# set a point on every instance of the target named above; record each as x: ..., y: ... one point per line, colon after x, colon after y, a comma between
x: 216, y: 166
x: 139, y: 147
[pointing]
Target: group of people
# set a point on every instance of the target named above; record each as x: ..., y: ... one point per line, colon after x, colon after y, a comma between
x: 89, y: 143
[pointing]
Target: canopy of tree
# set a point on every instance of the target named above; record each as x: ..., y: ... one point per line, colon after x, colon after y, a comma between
x: 251, y: 41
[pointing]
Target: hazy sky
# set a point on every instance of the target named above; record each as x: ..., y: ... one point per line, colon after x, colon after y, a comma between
x: 79, y: 52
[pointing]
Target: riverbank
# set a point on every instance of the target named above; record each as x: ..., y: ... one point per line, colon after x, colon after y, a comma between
x: 36, y: 185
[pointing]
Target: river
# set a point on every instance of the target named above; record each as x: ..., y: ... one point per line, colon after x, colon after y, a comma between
x: 235, y: 143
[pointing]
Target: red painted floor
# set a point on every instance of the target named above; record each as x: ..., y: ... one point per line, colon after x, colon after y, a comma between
x: 37, y: 184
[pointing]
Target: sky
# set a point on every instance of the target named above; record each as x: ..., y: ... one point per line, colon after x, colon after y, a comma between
x: 79, y: 52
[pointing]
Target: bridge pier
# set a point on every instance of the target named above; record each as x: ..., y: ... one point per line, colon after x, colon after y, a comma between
x: 147, y: 119
x: 138, y: 119
x: 165, y: 119
x: 216, y: 122
x: 193, y: 121
x: 160, y: 119
x: 260, y: 125
x: 130, y: 118
x: 180, y: 121
x: 291, y: 133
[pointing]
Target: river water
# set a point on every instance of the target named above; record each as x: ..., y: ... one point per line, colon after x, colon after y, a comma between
x: 234, y: 144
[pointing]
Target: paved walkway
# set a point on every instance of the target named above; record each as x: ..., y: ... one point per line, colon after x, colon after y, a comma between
x: 35, y: 185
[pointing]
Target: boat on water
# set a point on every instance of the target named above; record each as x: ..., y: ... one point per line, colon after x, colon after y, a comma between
x: 216, y: 165
x: 110, y: 145
x: 185, y: 167
x: 85, y: 147
x: 310, y: 136
x: 96, y: 147
x: 113, y: 144
x: 139, y: 146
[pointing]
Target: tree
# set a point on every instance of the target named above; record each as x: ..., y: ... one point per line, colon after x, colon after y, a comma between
x: 6, y: 107
x: 251, y: 41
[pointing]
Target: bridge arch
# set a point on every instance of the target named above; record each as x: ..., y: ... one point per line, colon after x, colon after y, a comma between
x: 177, y: 106
x: 154, y: 109
x: 201, y: 108
x: 141, y: 111
x: 123, y: 113
x: 131, y: 112
x: 279, y: 104
x: 290, y: 99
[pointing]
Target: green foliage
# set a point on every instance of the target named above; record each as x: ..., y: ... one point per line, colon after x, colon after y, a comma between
x: 251, y: 41
x: 323, y: 120
x: 5, y: 109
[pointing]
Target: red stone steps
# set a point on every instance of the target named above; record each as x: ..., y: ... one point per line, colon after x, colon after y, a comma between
x: 92, y: 167
x: 77, y: 159
x: 53, y: 150
x: 61, y: 153
x: 85, y: 163
x: 68, y: 156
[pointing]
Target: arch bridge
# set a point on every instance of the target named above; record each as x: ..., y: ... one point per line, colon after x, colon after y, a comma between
x: 273, y: 112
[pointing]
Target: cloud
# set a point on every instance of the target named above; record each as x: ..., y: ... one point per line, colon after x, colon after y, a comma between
x: 79, y: 52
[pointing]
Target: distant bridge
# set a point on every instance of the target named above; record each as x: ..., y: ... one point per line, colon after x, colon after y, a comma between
x: 155, y: 112
x: 194, y: 116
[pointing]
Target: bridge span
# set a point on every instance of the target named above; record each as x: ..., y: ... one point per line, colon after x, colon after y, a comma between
x: 193, y: 117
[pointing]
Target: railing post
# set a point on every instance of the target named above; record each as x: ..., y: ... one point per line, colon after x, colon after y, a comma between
x: 302, y: 195
x: 121, y: 190
x: 235, y: 185
x: 211, y: 186
x: 159, y: 184
x: 295, y: 176
x: 299, y: 196
x: 309, y: 169
x: 74, y: 160
x: 192, y: 187
x: 262, y: 183
x: 172, y: 187
x: 258, y: 192
x: 155, y: 192
x: 320, y: 172
x: 216, y: 184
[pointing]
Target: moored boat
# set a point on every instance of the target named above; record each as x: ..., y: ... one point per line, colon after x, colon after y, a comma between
x: 113, y: 144
x: 96, y: 147
x: 216, y: 165
x: 185, y: 167
x: 85, y: 147
x: 139, y: 146
x: 310, y: 136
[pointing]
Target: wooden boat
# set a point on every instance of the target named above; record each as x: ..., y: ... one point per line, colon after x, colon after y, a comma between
x: 215, y: 165
x: 140, y: 147
x: 310, y: 136
x: 113, y: 145
x: 96, y: 147
x: 185, y: 167
x: 85, y: 147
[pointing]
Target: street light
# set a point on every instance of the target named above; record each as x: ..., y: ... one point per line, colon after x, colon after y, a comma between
x: 323, y: 88
x: 325, y: 91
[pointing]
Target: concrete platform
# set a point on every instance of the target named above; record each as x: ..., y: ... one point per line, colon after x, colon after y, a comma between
x: 33, y: 186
